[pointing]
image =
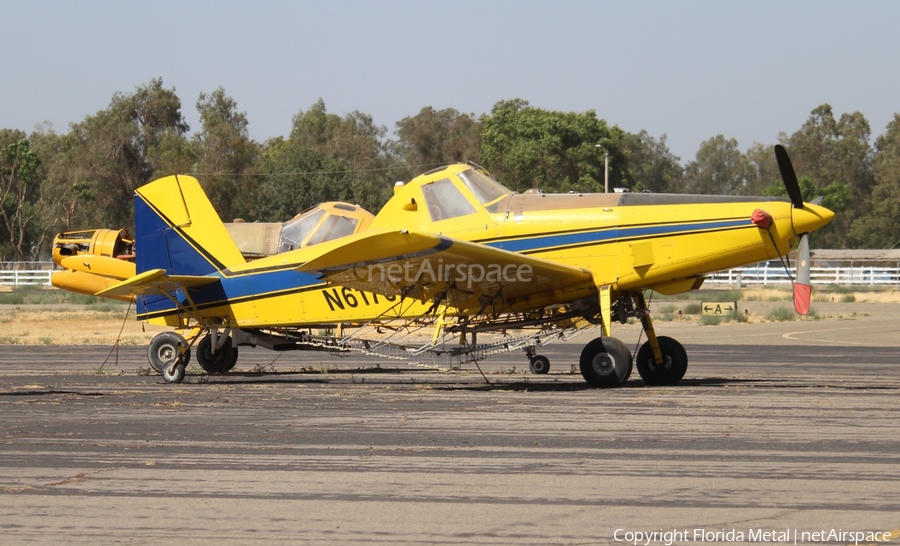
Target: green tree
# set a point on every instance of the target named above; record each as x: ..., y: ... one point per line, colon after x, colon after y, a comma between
x: 652, y: 166
x: 437, y: 137
x: 762, y: 169
x: 225, y: 155
x: 719, y: 169
x: 140, y: 137
x: 831, y: 151
x: 880, y: 226
x: 527, y: 147
x: 835, y: 152
x: 21, y: 196
x: 63, y: 206
x: 326, y: 158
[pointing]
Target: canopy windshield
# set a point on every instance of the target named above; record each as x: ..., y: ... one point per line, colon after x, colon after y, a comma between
x: 315, y: 226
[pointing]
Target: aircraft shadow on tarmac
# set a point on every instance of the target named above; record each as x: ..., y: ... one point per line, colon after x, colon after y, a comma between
x: 441, y: 383
x: 50, y: 392
x: 523, y: 386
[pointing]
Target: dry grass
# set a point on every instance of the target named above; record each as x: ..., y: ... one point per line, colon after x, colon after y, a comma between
x: 822, y: 294
x: 892, y: 296
x: 20, y: 325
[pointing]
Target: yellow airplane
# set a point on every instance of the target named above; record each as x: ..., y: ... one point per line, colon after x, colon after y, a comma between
x: 453, y: 253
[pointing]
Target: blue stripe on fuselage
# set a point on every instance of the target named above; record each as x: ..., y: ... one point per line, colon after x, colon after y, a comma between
x: 547, y: 242
x: 232, y: 289
x: 239, y: 286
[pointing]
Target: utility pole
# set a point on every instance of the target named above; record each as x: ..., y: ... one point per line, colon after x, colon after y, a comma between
x: 605, y: 168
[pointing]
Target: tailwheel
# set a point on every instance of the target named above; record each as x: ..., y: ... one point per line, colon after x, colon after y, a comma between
x: 173, y: 373
x: 165, y: 349
x: 539, y: 364
x: 605, y: 362
x: 222, y: 361
x: 673, y: 367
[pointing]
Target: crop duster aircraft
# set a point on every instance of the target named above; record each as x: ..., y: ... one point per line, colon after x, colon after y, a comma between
x: 452, y: 252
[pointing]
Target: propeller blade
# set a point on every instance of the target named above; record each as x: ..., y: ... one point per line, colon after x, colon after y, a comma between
x: 803, y: 285
x: 788, y: 176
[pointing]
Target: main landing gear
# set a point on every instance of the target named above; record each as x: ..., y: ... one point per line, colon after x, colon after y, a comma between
x: 222, y: 360
x: 606, y: 362
x: 667, y: 372
x: 169, y: 354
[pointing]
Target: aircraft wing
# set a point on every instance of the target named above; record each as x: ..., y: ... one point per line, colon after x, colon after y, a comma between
x: 421, y: 265
x: 155, y: 281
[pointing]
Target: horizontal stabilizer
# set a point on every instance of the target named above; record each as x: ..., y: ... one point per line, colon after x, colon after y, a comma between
x: 155, y: 281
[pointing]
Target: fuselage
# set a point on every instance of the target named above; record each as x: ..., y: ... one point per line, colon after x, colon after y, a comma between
x: 628, y: 242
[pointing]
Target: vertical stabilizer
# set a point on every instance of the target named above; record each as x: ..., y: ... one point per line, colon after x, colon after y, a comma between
x: 178, y: 230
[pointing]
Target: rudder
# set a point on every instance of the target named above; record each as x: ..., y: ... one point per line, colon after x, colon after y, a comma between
x: 178, y: 230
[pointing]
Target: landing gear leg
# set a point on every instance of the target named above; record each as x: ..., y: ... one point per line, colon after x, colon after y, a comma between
x: 660, y: 360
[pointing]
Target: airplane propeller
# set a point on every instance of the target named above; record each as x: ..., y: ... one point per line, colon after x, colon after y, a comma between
x: 802, y: 285
x: 788, y: 176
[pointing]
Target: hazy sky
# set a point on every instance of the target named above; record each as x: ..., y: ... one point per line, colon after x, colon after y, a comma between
x: 689, y: 69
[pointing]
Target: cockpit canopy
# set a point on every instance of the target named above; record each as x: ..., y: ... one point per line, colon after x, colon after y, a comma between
x: 324, y: 222
x: 444, y: 199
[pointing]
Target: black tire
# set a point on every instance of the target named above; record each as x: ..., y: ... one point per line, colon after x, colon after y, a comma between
x: 221, y: 362
x: 605, y: 362
x: 163, y: 350
x: 675, y: 362
x: 174, y: 373
x: 539, y: 364
x: 233, y: 360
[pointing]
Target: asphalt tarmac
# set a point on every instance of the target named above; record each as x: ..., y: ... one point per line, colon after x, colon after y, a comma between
x: 784, y: 427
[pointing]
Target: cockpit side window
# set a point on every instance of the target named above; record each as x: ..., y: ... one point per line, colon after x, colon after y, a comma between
x: 334, y: 227
x: 445, y: 201
x: 294, y: 232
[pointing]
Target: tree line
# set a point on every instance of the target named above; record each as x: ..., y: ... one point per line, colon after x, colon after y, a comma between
x: 85, y: 178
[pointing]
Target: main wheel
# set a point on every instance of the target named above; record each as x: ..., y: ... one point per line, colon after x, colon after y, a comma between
x: 221, y: 362
x: 605, y: 362
x: 539, y: 364
x: 670, y: 372
x: 164, y: 349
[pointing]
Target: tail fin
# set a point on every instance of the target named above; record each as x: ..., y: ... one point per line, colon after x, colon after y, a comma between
x: 177, y: 229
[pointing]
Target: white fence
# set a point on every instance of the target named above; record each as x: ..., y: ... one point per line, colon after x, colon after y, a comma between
x: 16, y: 277
x: 871, y: 276
x: 865, y: 276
